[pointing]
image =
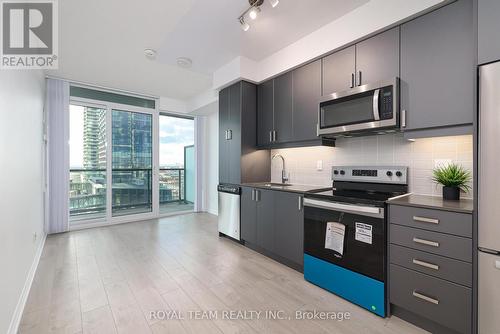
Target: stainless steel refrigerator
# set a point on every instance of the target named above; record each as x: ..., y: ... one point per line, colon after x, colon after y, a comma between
x: 489, y: 199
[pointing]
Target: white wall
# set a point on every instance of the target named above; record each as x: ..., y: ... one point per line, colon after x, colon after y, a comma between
x: 420, y: 156
x: 22, y: 93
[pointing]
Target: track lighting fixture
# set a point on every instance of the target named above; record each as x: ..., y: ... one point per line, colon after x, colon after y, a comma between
x: 253, y: 11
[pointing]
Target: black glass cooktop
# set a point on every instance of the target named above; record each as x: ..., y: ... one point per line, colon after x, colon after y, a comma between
x: 366, y: 197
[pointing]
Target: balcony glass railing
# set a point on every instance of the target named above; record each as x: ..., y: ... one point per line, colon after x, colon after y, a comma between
x: 131, y: 191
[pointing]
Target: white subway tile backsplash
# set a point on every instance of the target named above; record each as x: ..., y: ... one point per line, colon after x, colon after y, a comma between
x: 392, y: 149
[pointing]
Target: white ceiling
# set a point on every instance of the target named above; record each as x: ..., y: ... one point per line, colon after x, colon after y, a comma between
x: 102, y: 41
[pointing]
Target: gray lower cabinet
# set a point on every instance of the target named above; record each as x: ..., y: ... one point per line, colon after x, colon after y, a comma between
x: 430, y: 270
x: 438, y: 69
x: 289, y: 226
x: 488, y: 26
x: 248, y: 212
x: 272, y: 222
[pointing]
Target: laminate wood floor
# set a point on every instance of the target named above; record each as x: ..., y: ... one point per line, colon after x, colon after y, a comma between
x: 110, y: 279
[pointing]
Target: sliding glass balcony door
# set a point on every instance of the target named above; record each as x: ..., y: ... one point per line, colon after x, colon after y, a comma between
x: 132, y: 162
x: 112, y: 175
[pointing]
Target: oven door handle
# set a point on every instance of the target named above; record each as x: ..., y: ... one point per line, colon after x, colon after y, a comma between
x: 341, y: 206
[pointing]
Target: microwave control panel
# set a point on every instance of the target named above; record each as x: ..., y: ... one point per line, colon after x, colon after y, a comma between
x: 386, y: 103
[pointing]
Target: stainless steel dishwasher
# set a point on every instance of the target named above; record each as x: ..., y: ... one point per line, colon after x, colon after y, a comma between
x: 229, y: 210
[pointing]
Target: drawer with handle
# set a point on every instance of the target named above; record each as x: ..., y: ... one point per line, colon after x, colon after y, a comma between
x: 436, y: 243
x: 433, y: 220
x: 443, y: 302
x: 449, y: 269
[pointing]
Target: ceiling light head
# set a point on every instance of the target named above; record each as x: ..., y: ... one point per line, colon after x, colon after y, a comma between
x: 274, y: 3
x: 150, y: 54
x: 244, y: 26
x: 254, y: 12
x: 184, y: 62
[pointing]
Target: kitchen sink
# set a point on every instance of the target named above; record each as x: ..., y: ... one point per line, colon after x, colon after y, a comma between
x: 270, y: 184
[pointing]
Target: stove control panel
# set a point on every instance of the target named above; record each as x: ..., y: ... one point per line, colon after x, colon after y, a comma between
x: 378, y: 174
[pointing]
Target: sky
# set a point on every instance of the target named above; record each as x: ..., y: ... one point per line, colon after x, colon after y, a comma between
x: 175, y: 133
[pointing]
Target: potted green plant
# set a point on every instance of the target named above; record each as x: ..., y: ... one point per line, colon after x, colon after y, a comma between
x: 454, y: 178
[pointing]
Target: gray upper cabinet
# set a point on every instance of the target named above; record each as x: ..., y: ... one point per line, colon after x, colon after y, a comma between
x: 283, y: 120
x: 238, y: 136
x: 265, y: 112
x: 438, y: 68
x: 223, y: 143
x: 338, y: 70
x: 289, y: 226
x: 488, y: 26
x: 234, y: 142
x: 377, y: 58
x: 306, y: 94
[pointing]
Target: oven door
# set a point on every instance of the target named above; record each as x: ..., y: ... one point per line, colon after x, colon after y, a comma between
x: 364, y: 236
x: 362, y: 108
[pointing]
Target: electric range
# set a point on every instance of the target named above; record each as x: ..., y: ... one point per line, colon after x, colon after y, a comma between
x: 345, y: 233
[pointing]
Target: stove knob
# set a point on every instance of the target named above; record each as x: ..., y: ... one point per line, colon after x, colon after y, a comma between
x: 342, y: 172
x: 399, y: 174
x: 389, y: 173
x: 336, y: 172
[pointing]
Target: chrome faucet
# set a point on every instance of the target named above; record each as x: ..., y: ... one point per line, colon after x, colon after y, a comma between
x: 284, y: 178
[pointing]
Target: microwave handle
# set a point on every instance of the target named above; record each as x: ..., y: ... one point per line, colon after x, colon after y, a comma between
x: 376, y: 112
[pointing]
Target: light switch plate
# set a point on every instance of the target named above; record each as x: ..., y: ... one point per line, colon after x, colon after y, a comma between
x: 319, y: 165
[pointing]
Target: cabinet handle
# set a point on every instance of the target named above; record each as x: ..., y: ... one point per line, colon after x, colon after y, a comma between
x: 403, y: 118
x: 352, y: 80
x: 229, y: 134
x: 300, y: 203
x: 425, y: 264
x: 225, y: 135
x: 426, y: 298
x: 426, y: 242
x: 253, y: 194
x: 426, y: 220
x: 257, y: 195
x: 359, y: 78
x: 274, y: 135
x: 270, y: 136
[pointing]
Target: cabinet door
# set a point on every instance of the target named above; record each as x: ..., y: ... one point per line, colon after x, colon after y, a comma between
x: 306, y: 95
x: 289, y: 229
x: 248, y: 216
x: 265, y: 117
x: 488, y: 26
x: 377, y: 58
x: 283, y: 119
x: 265, y: 219
x: 338, y: 69
x: 223, y: 143
x: 438, y: 68
x: 234, y: 142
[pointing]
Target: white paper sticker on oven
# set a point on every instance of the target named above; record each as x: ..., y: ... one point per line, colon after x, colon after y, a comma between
x: 334, y: 237
x: 364, y: 233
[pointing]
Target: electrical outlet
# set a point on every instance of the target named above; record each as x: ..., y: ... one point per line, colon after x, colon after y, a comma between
x: 319, y: 165
x: 442, y: 162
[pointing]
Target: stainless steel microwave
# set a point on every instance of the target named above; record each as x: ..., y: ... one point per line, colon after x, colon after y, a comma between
x: 368, y: 108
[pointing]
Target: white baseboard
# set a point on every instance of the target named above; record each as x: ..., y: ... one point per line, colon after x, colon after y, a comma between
x: 18, y: 312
